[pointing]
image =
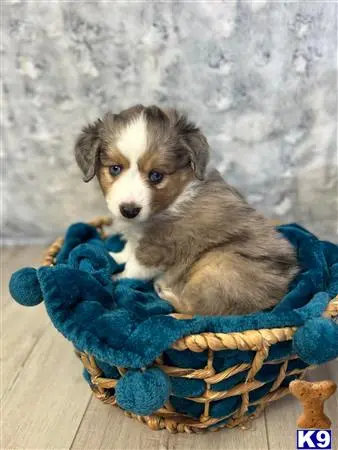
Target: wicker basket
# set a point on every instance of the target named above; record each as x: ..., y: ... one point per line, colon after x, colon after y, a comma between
x: 258, y: 341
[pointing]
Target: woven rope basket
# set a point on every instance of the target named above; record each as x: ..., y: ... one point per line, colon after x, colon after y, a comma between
x: 258, y: 341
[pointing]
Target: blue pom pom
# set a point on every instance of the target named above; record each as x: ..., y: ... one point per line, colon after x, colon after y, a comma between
x: 143, y: 392
x: 25, y: 288
x: 317, y: 341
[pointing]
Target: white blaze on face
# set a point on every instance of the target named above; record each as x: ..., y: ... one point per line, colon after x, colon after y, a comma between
x: 131, y: 187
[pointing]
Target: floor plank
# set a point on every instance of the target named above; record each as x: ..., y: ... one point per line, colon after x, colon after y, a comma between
x: 20, y: 333
x: 329, y: 372
x: 106, y: 427
x: 9, y: 259
x: 281, y: 416
x: 21, y: 327
x: 46, y: 402
x: 280, y: 419
x: 253, y: 438
x: 43, y: 397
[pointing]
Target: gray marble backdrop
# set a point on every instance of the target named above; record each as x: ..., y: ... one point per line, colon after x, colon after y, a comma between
x: 260, y: 77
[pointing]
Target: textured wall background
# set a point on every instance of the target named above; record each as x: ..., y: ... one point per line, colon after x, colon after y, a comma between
x: 259, y: 76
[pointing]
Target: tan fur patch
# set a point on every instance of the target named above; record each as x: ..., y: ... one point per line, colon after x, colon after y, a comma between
x: 172, y: 186
x: 174, y: 181
x: 109, y: 158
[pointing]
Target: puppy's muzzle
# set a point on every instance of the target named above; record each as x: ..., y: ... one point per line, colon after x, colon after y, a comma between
x: 129, y: 210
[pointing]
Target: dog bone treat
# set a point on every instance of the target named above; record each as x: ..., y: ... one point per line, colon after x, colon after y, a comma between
x: 312, y: 397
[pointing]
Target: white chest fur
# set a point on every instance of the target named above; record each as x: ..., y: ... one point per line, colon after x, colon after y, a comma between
x: 133, y: 268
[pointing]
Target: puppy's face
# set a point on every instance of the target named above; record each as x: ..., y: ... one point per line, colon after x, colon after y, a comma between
x: 143, y: 159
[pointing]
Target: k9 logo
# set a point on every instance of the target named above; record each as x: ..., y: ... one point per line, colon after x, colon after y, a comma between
x: 314, y: 439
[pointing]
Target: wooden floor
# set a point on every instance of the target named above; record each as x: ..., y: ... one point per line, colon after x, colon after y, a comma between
x: 47, y: 405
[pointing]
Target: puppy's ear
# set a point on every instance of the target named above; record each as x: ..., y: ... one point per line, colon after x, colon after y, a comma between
x: 196, y: 144
x: 87, y: 149
x: 198, y: 148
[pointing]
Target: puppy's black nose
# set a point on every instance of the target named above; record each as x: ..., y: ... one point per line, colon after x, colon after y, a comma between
x: 129, y: 210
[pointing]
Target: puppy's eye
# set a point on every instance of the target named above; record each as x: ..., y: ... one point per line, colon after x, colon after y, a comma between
x: 155, y: 177
x: 115, y: 170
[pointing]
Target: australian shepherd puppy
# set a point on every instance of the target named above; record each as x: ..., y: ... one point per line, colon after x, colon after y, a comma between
x: 208, y: 251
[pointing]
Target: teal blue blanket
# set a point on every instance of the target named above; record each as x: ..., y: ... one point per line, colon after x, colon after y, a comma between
x: 126, y: 324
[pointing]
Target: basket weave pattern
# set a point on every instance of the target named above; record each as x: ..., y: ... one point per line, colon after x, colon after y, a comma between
x: 258, y: 341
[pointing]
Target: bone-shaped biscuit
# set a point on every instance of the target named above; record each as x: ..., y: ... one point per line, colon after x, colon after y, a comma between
x: 312, y: 397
